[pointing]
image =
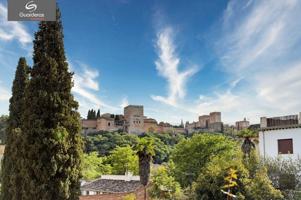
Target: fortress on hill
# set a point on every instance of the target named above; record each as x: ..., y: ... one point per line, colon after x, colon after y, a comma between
x: 134, y: 121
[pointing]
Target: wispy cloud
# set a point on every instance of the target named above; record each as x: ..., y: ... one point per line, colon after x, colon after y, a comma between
x: 124, y: 102
x: 168, y: 67
x: 10, y: 30
x: 260, y: 46
x: 86, y: 86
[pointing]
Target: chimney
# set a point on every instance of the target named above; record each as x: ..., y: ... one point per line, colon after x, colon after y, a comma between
x: 128, y: 176
x: 263, y: 122
x: 299, y: 117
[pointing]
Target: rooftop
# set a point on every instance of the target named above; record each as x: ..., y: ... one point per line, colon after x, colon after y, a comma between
x: 281, y: 127
x: 112, y: 186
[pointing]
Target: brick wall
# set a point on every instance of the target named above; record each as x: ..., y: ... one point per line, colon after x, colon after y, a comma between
x: 120, y: 196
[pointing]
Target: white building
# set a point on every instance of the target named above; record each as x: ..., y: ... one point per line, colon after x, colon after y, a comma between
x: 280, y: 136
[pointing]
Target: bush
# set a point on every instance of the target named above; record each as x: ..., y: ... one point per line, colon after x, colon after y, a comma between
x: 285, y: 174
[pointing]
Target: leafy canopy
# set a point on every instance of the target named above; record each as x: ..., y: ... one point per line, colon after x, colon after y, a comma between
x: 192, y: 155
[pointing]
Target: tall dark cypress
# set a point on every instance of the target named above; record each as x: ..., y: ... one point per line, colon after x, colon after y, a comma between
x: 52, y: 141
x: 93, y: 116
x: 98, y: 114
x: 12, y: 162
x: 89, y: 114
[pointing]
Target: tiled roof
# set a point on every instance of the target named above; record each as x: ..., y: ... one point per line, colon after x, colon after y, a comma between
x: 111, y: 186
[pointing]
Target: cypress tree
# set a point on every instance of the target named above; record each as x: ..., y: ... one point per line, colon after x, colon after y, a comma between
x: 89, y: 114
x: 51, y: 126
x: 12, y: 161
x: 98, y: 114
x: 93, y: 114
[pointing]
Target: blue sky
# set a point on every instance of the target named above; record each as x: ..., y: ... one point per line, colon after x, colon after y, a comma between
x: 179, y: 59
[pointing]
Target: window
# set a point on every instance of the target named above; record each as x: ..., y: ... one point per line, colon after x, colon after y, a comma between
x: 285, y: 146
x: 109, y: 124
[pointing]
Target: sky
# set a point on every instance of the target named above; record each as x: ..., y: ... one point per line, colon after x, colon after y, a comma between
x: 180, y: 59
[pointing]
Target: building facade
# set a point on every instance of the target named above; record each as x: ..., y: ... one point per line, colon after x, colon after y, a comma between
x: 132, y: 121
x: 150, y: 125
x: 106, y: 122
x: 206, y: 123
x: 239, y: 125
x: 280, y: 136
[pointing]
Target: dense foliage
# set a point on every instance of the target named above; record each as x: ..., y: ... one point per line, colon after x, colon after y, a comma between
x: 94, y: 166
x: 51, y: 123
x: 164, y: 186
x: 285, y: 174
x: 122, y: 160
x: 212, y: 179
x: 3, y: 126
x: 104, y: 142
x: 202, y: 163
x: 93, y: 115
x: 191, y: 155
x: 12, y: 177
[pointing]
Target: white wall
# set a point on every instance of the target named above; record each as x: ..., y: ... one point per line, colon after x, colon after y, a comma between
x: 268, y: 142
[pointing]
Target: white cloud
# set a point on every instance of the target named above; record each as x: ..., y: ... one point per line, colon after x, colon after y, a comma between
x: 259, y: 45
x: 86, y: 87
x: 10, y: 30
x: 168, y: 67
x: 124, y: 102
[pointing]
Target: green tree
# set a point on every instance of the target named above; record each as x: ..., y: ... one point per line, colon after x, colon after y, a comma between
x: 247, y: 145
x: 285, y: 174
x: 104, y: 142
x: 92, y: 114
x: 12, y: 164
x: 51, y: 125
x: 123, y: 159
x: 261, y: 188
x: 162, y: 151
x: 145, y: 151
x: 163, y: 185
x: 252, y: 182
x: 191, y: 155
x: 89, y: 114
x: 211, y: 179
x: 94, y: 166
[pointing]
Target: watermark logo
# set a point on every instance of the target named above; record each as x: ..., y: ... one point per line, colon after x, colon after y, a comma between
x: 31, y: 10
x: 31, y: 6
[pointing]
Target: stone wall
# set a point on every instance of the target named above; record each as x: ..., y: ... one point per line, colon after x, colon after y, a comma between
x: 105, y: 124
x: 150, y: 125
x: 204, y: 121
x: 134, y: 118
x: 215, y: 117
